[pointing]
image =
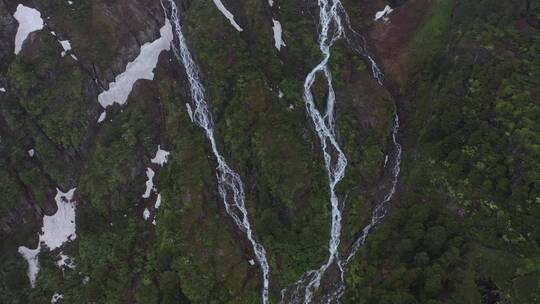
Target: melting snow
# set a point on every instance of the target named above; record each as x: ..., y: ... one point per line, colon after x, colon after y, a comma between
x: 227, y: 14
x: 31, y: 152
x: 31, y: 257
x: 141, y: 68
x: 149, y: 183
x: 280, y: 94
x: 384, y: 13
x: 60, y: 227
x: 158, y: 201
x: 29, y: 21
x: 278, y: 38
x: 3, y: 90
x: 66, y: 45
x: 56, y: 297
x: 190, y: 112
x: 146, y: 214
x: 85, y: 280
x: 102, y: 116
x: 271, y: 2
x: 56, y: 230
x: 251, y: 262
x: 161, y: 157
x: 65, y: 261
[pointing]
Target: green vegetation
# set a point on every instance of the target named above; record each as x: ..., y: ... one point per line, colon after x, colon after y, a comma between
x: 472, y: 161
x: 462, y: 228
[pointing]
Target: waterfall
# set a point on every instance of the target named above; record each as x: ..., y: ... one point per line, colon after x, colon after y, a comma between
x: 331, y: 29
x: 230, y: 185
x: 334, y: 24
x: 377, y: 215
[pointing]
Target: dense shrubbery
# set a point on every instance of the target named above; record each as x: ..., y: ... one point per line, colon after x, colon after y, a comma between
x: 477, y: 155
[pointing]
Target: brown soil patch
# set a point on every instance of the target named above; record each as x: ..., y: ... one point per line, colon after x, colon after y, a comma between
x: 390, y: 40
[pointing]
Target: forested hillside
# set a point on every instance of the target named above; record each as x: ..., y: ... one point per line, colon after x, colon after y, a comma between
x: 270, y: 151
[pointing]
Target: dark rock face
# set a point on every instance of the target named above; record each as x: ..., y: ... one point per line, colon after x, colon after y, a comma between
x: 8, y: 28
x: 396, y: 3
x: 532, y: 13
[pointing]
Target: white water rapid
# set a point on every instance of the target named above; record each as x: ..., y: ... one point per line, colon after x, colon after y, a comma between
x: 331, y: 29
x: 230, y: 186
x: 334, y: 24
x: 377, y: 215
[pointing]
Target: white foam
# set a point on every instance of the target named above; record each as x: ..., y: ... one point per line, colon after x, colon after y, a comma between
x: 278, y: 34
x: 149, y: 183
x: 29, y: 21
x: 161, y: 157
x: 227, y: 14
x: 141, y: 68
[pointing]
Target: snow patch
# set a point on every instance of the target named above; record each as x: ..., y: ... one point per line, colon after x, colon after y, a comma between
x: 278, y: 34
x: 146, y: 214
x: 280, y: 94
x: 227, y: 14
x: 65, y: 261
x: 31, y: 257
x: 161, y: 157
x: 56, y: 297
x: 29, y: 21
x: 141, y: 68
x: 60, y: 227
x: 31, y: 152
x: 158, y: 201
x: 56, y: 230
x: 102, y: 116
x: 149, y: 183
x: 3, y: 90
x: 66, y: 45
x: 383, y: 14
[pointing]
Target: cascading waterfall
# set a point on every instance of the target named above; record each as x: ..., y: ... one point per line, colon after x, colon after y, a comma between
x: 331, y: 29
x: 381, y: 208
x: 230, y: 186
x: 334, y: 24
x: 377, y: 215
